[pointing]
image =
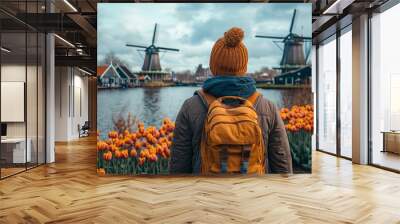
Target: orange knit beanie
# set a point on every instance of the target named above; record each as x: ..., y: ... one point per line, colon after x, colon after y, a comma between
x: 229, y: 55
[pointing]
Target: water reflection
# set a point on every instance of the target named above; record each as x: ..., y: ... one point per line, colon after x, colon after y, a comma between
x: 151, y: 105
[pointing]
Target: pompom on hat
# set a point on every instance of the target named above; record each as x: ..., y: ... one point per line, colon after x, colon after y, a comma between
x: 229, y: 55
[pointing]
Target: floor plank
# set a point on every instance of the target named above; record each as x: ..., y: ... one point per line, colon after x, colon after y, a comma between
x: 69, y: 191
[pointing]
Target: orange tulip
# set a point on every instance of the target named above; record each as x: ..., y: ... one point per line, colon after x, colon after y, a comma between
x: 299, y: 125
x: 157, y: 134
x: 171, y: 136
x: 133, y: 153
x: 141, y: 161
x: 113, y: 148
x: 159, y: 149
x: 153, y: 158
x: 167, y: 152
x: 101, y: 146
x: 293, y: 128
x: 152, y: 150
x: 113, y: 134
x: 284, y: 116
x: 138, y: 144
x: 140, y: 124
x: 118, y: 154
x: 107, y: 156
x: 162, y: 132
x: 125, y: 153
x: 166, y: 121
x: 154, y: 140
x: 119, y: 142
x: 101, y: 172
x: 141, y: 130
x: 144, y: 153
x: 308, y: 127
x: 128, y: 141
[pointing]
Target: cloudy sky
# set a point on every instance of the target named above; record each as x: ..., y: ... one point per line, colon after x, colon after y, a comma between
x: 193, y: 29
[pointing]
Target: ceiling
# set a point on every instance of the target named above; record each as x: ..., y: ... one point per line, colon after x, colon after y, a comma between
x: 331, y: 15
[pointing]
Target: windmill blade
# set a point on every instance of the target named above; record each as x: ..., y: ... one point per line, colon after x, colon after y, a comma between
x: 133, y: 45
x: 277, y: 44
x: 292, y: 23
x: 141, y: 55
x: 167, y: 49
x: 154, y: 34
x: 270, y: 37
x: 305, y: 38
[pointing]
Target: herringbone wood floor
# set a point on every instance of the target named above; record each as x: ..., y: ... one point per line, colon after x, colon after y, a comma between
x: 69, y: 191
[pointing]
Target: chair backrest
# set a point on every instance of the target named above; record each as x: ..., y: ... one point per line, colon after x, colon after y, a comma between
x: 86, y: 125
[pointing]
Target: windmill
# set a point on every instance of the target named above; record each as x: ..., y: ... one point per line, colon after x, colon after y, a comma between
x: 293, y: 49
x: 152, y: 57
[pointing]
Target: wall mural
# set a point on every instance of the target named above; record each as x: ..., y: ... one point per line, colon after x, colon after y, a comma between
x: 204, y: 89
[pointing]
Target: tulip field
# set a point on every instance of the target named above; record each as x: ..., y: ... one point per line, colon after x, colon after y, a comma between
x: 145, y: 151
x: 299, y: 124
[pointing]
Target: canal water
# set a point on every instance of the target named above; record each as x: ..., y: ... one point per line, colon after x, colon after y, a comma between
x: 151, y: 105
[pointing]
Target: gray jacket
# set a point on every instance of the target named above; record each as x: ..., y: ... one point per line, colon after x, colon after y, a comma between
x: 185, y: 151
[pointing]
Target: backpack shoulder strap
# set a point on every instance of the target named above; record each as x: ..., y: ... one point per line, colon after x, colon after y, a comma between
x: 207, y: 98
x: 254, y: 98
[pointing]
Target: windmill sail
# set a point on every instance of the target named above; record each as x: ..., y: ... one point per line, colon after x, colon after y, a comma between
x: 152, y: 59
x: 293, y: 56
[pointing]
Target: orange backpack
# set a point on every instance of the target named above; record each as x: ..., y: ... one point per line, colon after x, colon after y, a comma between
x: 232, y: 140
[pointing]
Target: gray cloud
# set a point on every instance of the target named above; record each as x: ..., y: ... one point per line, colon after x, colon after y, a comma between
x: 193, y: 28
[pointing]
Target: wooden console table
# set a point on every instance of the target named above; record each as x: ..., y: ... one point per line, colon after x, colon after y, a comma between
x: 391, y: 141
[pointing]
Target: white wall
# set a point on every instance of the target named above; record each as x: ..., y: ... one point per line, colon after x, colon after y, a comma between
x: 10, y: 73
x: 16, y: 73
x: 71, y: 94
x: 61, y: 103
x: 33, y: 127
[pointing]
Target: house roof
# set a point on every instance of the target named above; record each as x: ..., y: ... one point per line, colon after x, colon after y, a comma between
x: 101, y: 69
x: 121, y: 73
x: 110, y: 72
x: 127, y: 71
